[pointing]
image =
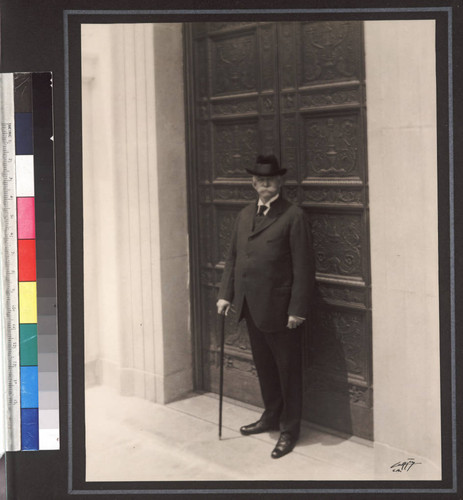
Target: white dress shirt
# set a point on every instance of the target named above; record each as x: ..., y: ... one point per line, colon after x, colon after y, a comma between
x: 267, y: 204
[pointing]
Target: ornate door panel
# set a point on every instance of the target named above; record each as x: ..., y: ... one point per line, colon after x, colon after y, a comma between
x: 235, y: 102
x: 297, y: 90
x: 323, y: 142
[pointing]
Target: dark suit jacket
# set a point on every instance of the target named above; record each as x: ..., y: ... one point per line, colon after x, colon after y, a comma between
x: 272, y: 266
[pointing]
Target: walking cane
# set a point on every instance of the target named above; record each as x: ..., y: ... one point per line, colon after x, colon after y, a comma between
x: 222, y: 344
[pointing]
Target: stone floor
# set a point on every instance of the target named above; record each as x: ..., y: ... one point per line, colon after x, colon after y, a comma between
x: 130, y: 439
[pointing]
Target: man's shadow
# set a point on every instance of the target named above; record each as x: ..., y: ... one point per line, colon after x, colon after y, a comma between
x: 327, y: 392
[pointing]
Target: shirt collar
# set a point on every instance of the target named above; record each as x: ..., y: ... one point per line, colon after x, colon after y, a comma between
x: 269, y: 202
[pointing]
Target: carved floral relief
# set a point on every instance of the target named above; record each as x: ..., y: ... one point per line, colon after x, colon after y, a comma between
x: 225, y: 222
x: 330, y: 51
x: 330, y: 97
x: 332, y: 195
x: 339, y: 341
x: 337, y: 244
x: 331, y: 146
x: 235, y: 147
x: 234, y: 64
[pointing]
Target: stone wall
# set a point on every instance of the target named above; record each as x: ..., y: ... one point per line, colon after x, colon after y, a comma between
x: 402, y: 166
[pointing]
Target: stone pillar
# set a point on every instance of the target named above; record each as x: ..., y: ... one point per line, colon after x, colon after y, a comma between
x: 135, y: 215
x: 171, y: 169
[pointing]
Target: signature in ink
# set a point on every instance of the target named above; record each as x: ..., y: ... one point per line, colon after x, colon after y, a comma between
x: 404, y: 466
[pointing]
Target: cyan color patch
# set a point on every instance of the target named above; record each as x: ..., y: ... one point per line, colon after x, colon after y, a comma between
x: 23, y: 132
x: 29, y: 429
x: 29, y: 387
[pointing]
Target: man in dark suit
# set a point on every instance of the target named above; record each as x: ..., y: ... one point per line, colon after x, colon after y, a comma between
x: 269, y: 275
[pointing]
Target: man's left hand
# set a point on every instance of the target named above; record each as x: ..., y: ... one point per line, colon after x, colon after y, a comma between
x: 294, y: 321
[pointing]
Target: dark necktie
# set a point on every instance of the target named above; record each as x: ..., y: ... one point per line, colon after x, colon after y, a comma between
x: 261, y: 211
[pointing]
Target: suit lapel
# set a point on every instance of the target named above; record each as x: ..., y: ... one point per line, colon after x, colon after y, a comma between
x: 248, y: 219
x: 276, y: 209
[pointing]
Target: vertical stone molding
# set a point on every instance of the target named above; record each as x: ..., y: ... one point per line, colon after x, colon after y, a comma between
x: 177, y: 374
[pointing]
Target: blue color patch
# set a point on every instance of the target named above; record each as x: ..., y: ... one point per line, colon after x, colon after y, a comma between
x: 29, y: 387
x: 29, y: 429
x: 23, y: 133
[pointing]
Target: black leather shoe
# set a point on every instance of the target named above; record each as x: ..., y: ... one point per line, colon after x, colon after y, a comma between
x: 257, y: 428
x: 285, y: 444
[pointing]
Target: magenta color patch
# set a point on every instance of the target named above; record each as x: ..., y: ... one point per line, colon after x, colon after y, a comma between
x: 26, y: 218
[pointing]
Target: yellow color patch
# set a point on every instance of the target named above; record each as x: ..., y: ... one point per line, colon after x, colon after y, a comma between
x: 28, y: 302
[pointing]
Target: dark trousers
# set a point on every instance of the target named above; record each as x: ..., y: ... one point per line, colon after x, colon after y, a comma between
x: 278, y: 360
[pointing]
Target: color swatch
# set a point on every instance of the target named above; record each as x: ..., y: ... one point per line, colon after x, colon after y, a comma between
x: 36, y: 261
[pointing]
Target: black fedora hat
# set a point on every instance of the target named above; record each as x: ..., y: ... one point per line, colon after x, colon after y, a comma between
x: 266, y: 166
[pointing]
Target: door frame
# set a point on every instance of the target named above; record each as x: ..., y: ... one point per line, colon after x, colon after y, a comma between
x: 193, y: 208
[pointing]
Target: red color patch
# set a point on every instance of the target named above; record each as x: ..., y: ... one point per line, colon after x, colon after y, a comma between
x: 26, y: 260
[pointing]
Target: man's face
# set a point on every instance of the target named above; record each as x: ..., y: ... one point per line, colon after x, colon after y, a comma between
x: 267, y: 187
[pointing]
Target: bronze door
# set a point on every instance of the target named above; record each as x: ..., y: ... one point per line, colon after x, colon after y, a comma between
x: 295, y: 89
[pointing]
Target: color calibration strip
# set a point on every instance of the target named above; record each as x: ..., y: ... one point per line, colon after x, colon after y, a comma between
x: 36, y: 261
x: 26, y: 269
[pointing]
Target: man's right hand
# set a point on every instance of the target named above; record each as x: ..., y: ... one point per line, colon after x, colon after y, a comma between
x: 223, y: 306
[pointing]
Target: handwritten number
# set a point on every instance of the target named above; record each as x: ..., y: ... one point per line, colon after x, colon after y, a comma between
x: 404, y: 466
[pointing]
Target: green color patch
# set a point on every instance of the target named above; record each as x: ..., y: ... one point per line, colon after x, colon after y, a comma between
x: 28, y: 344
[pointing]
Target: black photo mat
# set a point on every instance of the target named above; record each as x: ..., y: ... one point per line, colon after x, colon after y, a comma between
x: 46, y: 37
